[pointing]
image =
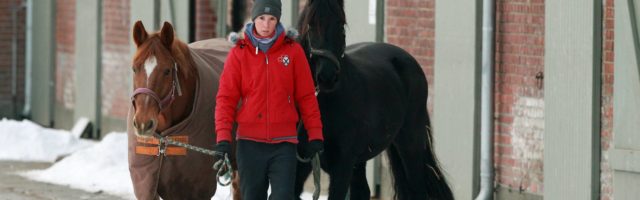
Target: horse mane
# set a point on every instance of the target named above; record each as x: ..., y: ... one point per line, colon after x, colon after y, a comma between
x: 179, y: 51
x: 315, y: 15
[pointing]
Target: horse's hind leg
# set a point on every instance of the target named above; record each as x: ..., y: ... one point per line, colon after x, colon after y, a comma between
x: 302, y: 173
x: 359, y: 188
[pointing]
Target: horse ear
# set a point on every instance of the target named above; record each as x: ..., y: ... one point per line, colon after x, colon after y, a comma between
x: 139, y: 33
x: 166, y: 34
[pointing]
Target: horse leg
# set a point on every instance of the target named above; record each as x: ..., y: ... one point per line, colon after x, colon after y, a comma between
x: 359, y: 187
x: 302, y: 173
x: 341, y: 170
x: 235, y: 186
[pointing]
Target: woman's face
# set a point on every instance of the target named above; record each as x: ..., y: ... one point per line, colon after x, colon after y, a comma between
x: 265, y: 24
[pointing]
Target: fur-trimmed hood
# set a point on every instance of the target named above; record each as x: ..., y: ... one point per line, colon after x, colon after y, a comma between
x: 235, y: 37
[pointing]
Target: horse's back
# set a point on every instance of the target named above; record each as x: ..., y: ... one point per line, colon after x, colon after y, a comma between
x: 209, y: 55
x: 387, y: 63
x: 211, y: 52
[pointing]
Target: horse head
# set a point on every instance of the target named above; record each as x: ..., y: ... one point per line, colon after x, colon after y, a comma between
x: 323, y: 39
x: 159, y: 66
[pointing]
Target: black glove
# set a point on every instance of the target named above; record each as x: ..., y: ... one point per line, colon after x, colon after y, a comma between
x: 315, y: 146
x: 222, y: 148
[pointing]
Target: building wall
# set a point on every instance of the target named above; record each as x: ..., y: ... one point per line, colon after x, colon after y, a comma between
x: 65, y: 59
x: 518, y: 95
x: 116, y: 58
x: 519, y: 105
x: 410, y: 24
x: 7, y: 107
x: 205, y: 20
x: 606, y: 176
x: 116, y: 64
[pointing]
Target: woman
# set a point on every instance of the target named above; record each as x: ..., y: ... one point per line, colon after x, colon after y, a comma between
x: 268, y: 74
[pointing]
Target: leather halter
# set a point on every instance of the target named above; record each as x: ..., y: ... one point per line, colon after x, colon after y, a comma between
x: 324, y: 53
x: 167, y: 100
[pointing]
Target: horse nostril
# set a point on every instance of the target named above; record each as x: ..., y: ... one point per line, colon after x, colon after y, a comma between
x: 135, y: 124
x: 152, y: 124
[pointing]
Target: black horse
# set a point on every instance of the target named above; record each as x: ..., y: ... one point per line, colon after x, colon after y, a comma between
x: 372, y: 97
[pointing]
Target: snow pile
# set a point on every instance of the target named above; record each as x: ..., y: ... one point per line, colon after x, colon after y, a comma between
x: 27, y: 141
x: 100, y: 167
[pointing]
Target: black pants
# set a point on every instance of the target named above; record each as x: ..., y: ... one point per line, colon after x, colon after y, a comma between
x: 261, y: 164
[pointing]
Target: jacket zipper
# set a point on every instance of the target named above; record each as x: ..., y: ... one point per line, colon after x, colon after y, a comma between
x: 266, y: 57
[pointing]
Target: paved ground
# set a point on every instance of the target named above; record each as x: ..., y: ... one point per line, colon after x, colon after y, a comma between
x: 15, y: 187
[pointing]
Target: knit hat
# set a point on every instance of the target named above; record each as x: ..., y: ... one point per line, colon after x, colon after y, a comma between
x: 271, y: 7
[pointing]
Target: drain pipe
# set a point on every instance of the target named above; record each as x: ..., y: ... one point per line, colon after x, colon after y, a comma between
x: 486, y: 121
x: 26, y: 111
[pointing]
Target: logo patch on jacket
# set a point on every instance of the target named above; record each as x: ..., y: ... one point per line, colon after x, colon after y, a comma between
x: 284, y: 60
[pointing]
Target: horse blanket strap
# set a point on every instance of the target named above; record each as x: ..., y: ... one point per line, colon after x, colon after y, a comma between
x: 161, y: 149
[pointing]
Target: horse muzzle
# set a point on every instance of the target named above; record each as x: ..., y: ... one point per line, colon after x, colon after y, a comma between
x: 145, y: 128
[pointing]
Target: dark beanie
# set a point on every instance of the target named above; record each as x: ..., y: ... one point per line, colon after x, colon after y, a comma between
x: 271, y: 7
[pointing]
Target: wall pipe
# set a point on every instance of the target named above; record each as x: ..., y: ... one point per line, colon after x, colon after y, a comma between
x: 26, y: 110
x: 486, y: 121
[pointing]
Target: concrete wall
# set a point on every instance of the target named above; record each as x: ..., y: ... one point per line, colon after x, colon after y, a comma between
x: 88, y: 63
x: 457, y: 93
x: 572, y: 99
x: 65, y: 64
x: 42, y: 63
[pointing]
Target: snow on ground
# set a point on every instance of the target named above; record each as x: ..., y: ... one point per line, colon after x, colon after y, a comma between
x: 27, y: 141
x: 89, y: 165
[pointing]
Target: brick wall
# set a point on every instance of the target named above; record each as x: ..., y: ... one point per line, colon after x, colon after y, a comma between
x: 606, y: 176
x: 116, y: 58
x: 65, y: 59
x: 519, y: 100
x: 7, y: 7
x: 415, y: 18
x: 206, y: 19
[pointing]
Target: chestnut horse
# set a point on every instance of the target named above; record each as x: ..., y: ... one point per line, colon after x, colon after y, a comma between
x: 175, y: 85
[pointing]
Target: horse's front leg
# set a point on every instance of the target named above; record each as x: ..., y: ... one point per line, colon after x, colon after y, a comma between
x: 359, y: 186
x: 340, y: 173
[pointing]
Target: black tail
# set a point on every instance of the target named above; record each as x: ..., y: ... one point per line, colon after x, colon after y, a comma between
x: 412, y: 154
x: 438, y: 188
x: 400, y: 182
x: 434, y: 184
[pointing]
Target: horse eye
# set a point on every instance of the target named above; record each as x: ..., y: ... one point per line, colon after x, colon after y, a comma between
x: 166, y: 71
x: 134, y: 70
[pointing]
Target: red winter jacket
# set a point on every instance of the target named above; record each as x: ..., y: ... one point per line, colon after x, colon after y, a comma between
x: 269, y: 86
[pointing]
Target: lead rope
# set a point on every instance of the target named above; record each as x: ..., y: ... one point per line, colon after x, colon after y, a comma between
x: 222, y: 166
x: 315, y: 166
